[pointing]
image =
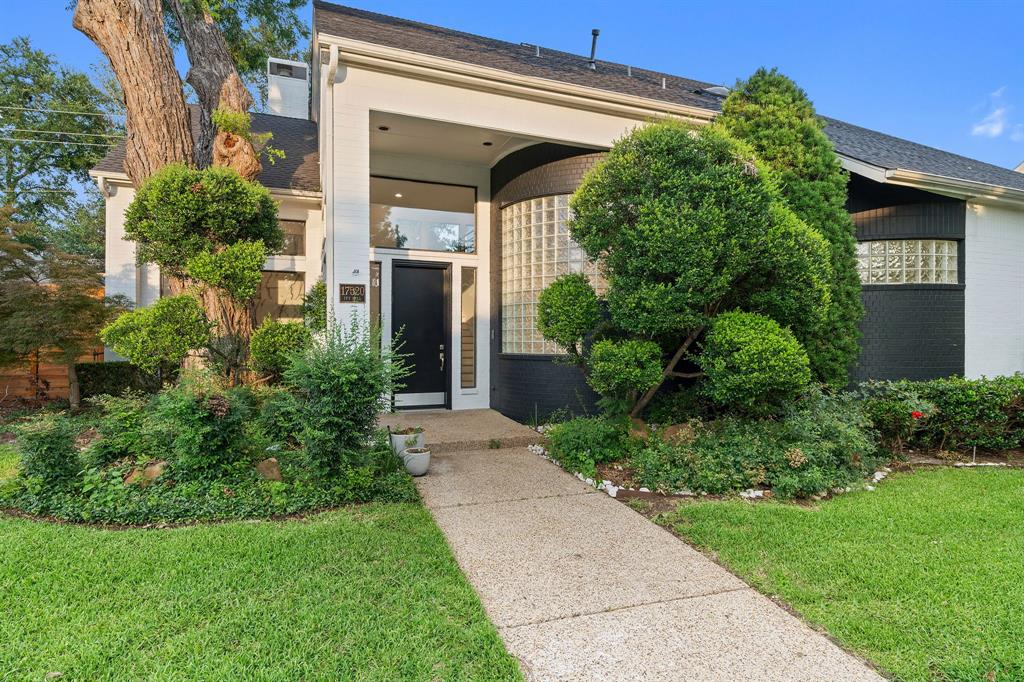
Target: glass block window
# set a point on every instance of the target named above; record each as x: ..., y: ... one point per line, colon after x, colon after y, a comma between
x: 907, y: 261
x: 536, y: 248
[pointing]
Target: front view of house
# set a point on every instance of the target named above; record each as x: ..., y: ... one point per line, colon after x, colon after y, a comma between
x: 427, y: 178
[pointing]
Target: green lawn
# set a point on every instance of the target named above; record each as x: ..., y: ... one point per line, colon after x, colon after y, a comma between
x: 924, y: 576
x: 368, y: 593
x: 8, y: 462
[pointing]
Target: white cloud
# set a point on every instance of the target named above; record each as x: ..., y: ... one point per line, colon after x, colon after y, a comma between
x: 1017, y: 134
x: 993, y: 125
x: 996, y: 121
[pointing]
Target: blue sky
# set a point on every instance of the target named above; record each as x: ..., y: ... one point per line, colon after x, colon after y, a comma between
x: 947, y: 74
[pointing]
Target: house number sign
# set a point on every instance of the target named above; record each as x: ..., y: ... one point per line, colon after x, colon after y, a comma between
x: 352, y: 293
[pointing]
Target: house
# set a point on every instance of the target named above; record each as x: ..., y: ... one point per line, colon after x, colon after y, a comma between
x: 427, y: 180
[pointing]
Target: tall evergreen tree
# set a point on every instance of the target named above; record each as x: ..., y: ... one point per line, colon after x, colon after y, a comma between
x: 772, y: 114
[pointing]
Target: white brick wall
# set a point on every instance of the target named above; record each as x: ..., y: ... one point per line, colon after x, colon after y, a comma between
x: 994, y: 296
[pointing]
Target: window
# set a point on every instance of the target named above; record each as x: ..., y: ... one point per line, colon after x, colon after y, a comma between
x: 280, y: 296
x: 536, y: 248
x: 468, y: 350
x: 908, y: 261
x: 294, y: 237
x: 288, y: 70
x: 422, y: 215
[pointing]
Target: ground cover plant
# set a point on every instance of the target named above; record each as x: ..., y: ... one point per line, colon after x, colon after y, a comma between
x: 365, y: 593
x: 922, y: 576
x: 203, y: 449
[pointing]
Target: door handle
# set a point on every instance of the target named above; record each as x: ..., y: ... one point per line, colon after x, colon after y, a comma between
x: 441, y: 355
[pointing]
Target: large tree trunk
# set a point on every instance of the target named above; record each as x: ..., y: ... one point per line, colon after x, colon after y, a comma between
x: 213, y: 75
x: 131, y: 34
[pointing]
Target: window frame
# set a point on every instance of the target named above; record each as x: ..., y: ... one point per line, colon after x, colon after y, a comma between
x: 476, y: 217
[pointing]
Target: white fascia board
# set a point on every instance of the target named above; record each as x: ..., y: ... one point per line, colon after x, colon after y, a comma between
x: 462, y: 74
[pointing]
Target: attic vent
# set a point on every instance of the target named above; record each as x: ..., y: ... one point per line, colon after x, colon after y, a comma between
x: 285, y: 70
x: 717, y: 91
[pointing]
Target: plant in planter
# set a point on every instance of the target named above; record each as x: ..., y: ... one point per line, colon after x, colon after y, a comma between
x: 405, y: 438
x: 417, y: 460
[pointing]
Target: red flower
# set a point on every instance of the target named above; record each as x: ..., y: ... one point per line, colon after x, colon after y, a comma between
x: 916, y: 415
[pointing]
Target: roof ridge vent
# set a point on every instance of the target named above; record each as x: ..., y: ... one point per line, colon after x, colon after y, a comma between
x: 717, y: 91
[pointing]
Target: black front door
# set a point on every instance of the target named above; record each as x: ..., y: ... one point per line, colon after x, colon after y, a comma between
x: 419, y: 316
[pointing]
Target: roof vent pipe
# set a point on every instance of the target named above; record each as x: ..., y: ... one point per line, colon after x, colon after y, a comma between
x: 593, y: 48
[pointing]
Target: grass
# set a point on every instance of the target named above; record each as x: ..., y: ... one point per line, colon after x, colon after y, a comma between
x: 924, y: 576
x: 8, y: 462
x: 367, y: 593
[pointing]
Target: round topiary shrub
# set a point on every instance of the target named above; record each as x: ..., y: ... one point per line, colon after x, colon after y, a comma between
x: 751, y: 363
x: 273, y: 343
x: 623, y: 368
x: 567, y: 310
x: 159, y: 335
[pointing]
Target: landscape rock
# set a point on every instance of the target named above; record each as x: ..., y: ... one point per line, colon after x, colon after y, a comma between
x: 145, y: 475
x: 678, y: 434
x: 269, y: 469
x: 638, y: 429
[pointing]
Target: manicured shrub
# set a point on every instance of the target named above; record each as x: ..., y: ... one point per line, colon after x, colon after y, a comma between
x: 47, y: 448
x: 180, y: 212
x: 114, y: 378
x: 161, y: 335
x: 567, y: 310
x: 581, y: 444
x: 343, y: 381
x: 751, y: 363
x: 274, y: 343
x: 624, y: 368
x: 235, y: 269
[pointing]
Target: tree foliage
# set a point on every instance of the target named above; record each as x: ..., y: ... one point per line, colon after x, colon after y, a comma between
x: 775, y: 117
x: 236, y: 269
x: 38, y: 167
x: 273, y: 344
x: 51, y: 302
x: 688, y: 223
x: 253, y: 30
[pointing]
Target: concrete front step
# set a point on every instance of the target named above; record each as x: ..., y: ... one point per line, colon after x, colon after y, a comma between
x: 447, y: 431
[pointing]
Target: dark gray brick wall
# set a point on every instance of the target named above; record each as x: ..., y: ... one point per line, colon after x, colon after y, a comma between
x: 912, y: 331
x: 525, y: 387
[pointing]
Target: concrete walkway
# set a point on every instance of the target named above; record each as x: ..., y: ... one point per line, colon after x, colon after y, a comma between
x: 583, y: 588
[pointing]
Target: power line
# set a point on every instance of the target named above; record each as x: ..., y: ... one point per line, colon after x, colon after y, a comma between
x: 53, y: 141
x: 58, y: 111
x: 61, y: 132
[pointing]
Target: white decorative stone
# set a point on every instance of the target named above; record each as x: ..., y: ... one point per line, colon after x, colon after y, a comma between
x: 751, y: 494
x: 612, y: 490
x: 869, y: 488
x: 645, y: 490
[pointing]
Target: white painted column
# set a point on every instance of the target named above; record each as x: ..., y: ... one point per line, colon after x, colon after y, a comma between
x: 348, y: 244
x: 121, y: 273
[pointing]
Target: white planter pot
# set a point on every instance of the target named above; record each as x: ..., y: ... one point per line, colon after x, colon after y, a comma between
x: 417, y: 461
x: 401, y: 442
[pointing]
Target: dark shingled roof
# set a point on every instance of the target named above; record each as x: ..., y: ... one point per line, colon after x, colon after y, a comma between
x: 853, y: 141
x: 298, y: 170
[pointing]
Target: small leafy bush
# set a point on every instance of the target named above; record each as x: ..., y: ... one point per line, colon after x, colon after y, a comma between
x: 47, y: 448
x: 343, y: 381
x: 751, y: 363
x: 199, y: 425
x: 621, y: 369
x: 279, y: 414
x: 123, y: 429
x: 897, y: 410
x: 274, y: 343
x: 579, y: 445
x: 114, y: 378
x: 235, y: 269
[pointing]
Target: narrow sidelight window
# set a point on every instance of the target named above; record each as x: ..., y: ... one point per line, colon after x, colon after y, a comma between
x: 468, y: 350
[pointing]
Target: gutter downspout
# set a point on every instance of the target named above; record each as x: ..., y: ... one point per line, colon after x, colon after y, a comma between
x: 327, y: 154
